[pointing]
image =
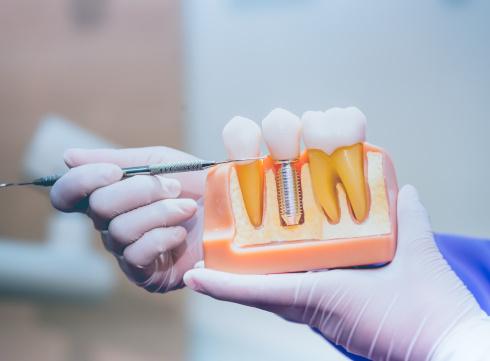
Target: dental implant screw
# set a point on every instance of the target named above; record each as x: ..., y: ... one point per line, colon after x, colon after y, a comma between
x: 289, y: 193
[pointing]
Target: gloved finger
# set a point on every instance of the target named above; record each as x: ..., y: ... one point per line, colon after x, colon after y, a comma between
x: 128, y: 157
x: 142, y: 276
x: 69, y: 192
x: 413, y: 222
x: 159, y: 276
x: 262, y: 291
x: 152, y: 244
x: 132, y: 193
x: 192, y: 183
x: 100, y: 224
x: 130, y: 226
x: 413, y: 219
x: 107, y: 242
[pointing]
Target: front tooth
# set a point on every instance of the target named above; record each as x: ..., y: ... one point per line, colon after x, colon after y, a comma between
x: 335, y: 151
x: 242, y: 137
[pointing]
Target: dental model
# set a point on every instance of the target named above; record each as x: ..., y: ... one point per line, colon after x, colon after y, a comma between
x: 334, y: 205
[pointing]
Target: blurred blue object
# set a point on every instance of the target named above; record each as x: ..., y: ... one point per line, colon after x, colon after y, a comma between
x: 470, y: 259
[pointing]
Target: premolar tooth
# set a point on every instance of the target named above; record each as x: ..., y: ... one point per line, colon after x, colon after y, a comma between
x: 334, y: 141
x: 324, y: 180
x: 242, y: 138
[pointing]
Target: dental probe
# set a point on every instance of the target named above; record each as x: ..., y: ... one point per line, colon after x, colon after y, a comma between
x: 155, y: 169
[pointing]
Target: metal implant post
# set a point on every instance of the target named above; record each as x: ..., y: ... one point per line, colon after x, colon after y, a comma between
x: 289, y: 193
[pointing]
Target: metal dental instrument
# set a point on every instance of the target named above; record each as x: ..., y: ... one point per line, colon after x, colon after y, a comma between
x: 154, y: 169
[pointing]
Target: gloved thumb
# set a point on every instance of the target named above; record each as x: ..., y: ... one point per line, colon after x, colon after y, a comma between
x: 413, y: 219
x: 127, y: 157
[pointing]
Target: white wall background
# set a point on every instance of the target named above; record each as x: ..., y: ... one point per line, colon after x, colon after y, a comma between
x: 418, y: 69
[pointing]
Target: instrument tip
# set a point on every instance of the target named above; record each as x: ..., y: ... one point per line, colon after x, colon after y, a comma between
x: 246, y: 159
x: 3, y: 185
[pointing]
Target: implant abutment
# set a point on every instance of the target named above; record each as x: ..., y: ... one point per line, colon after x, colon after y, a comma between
x: 289, y: 192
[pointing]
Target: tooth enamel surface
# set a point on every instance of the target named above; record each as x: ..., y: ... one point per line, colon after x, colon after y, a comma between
x: 334, y: 144
x: 242, y: 138
x: 335, y: 128
x: 282, y: 131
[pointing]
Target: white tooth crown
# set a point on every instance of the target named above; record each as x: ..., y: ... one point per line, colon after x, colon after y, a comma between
x: 282, y: 132
x: 242, y: 137
x: 335, y: 128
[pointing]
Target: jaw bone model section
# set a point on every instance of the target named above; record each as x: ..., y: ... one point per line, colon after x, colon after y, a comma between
x: 342, y: 192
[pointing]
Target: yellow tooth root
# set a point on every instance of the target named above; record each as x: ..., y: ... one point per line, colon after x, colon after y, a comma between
x: 324, y: 180
x: 349, y: 162
x: 251, y: 179
x: 346, y: 165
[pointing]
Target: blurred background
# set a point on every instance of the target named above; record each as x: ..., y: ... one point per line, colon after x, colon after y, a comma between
x: 135, y: 73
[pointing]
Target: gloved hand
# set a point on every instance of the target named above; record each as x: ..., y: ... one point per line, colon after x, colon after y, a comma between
x: 154, y: 234
x: 398, y: 312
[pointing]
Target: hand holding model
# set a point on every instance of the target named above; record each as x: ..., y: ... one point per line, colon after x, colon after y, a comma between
x: 150, y: 223
x: 402, y: 311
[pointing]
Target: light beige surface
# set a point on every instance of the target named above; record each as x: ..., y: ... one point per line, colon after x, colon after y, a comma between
x: 117, y: 75
x: 132, y: 324
x: 114, y: 68
x: 315, y: 225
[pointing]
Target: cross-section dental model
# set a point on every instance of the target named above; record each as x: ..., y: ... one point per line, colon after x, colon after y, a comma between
x: 341, y: 193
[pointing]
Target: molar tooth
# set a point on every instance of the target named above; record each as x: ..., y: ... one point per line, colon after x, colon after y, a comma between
x: 242, y: 138
x: 334, y: 143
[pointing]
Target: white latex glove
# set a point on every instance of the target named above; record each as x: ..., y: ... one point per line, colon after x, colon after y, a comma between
x: 154, y: 234
x: 398, y: 312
